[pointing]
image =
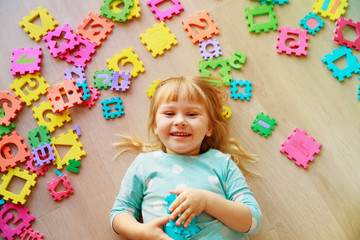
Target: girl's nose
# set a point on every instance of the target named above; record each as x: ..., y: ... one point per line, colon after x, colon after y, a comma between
x: 180, y: 121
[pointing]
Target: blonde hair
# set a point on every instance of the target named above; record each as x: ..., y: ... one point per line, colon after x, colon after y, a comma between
x: 200, y: 90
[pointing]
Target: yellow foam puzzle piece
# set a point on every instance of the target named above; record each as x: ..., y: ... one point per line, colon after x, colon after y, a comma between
x: 330, y: 8
x: 158, y: 39
x: 30, y: 181
x: 44, y: 113
x: 29, y: 87
x: 35, y: 31
x: 75, y: 152
x: 134, y: 10
x: 150, y: 92
x: 126, y: 56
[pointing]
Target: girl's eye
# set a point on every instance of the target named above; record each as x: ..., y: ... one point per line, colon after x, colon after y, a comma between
x: 169, y: 113
x: 192, y: 114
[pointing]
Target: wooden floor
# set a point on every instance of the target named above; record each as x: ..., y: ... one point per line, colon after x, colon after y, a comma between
x: 321, y: 202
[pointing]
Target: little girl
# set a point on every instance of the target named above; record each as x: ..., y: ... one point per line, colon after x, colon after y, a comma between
x: 193, y: 157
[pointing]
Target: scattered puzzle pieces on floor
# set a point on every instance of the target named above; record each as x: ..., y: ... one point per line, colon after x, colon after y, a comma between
x: 332, y: 9
x: 102, y: 78
x: 120, y: 81
x: 73, y: 166
x: 22, y: 220
x: 5, y: 129
x: 339, y: 36
x: 204, y: 26
x: 30, y: 181
x: 95, y: 28
x: 353, y: 66
x: 38, y: 136
x: 238, y: 60
x: 30, y: 234
x: 52, y: 185
x: 26, y: 60
x: 29, y: 87
x: 263, y: 124
x: 256, y: 10
x: 9, y: 110
x: 114, y: 13
x: 115, y: 110
x: 168, y: 13
x: 37, y: 32
x: 312, y: 23
x: 210, y: 52
x: 280, y: 2
x: 300, y: 147
x: 43, y: 154
x: 298, y: 48
x: 135, y: 10
x: 84, y: 89
x: 38, y: 171
x: 158, y: 39
x: 215, y: 63
x: 94, y: 95
x: 76, y: 72
x: 226, y: 112
x: 236, y: 94
x: 126, y: 56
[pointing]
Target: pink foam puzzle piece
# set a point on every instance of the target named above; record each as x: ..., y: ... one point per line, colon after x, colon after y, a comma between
x: 168, y: 13
x: 300, y: 147
x: 339, y: 36
x: 295, y: 47
x: 26, y: 60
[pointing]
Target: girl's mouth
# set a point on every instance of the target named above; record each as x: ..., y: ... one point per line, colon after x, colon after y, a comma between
x: 180, y: 134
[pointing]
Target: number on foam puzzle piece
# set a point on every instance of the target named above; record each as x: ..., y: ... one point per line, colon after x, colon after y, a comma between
x: 330, y: 8
x: 10, y: 106
x: 204, y: 25
x: 73, y: 166
x: 75, y: 152
x: 168, y: 13
x: 26, y: 60
x: 213, y: 51
x: 295, y: 47
x: 95, y: 28
x: 126, y: 56
x: 45, y: 116
x: 37, y: 32
x: 22, y: 220
x: 30, y: 181
x: 29, y: 87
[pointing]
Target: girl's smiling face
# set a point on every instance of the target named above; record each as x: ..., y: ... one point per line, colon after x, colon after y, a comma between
x: 182, y: 126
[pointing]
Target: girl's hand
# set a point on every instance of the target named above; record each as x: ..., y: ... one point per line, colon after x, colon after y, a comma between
x: 189, y: 203
x: 154, y: 230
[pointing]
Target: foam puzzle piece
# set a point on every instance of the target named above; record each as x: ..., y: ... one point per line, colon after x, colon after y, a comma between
x: 214, y: 63
x: 339, y: 36
x: 358, y: 91
x: 280, y: 2
x: 56, y: 49
x: 94, y: 95
x: 168, y: 13
x: 102, y: 78
x: 58, y: 196
x: 7, y: 160
x: 11, y: 105
x: 353, y: 66
x: 150, y: 92
x: 210, y: 48
x: 256, y: 10
x: 38, y: 171
x: 45, y: 116
x: 95, y: 28
x: 300, y: 147
x: 56, y: 95
x: 200, y: 26
x: 26, y: 60
x: 123, y: 78
x: 75, y: 152
x: 263, y: 124
x: 135, y: 10
x: 73, y: 166
x: 85, y: 91
x: 30, y: 234
x: 238, y: 60
x: 226, y: 112
x: 118, y: 107
x: 236, y: 94
x: 330, y: 8
x: 81, y: 54
x: 126, y: 56
x: 38, y: 136
x: 312, y: 23
x: 113, y: 12
x: 179, y: 232
x: 158, y: 39
x: 11, y: 224
x: 30, y: 87
x: 43, y: 154
x: 30, y: 181
x: 5, y: 129
x: 76, y: 70
x: 37, y: 32
x: 295, y: 47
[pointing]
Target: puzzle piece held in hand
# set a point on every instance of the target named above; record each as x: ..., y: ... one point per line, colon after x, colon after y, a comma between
x: 300, y: 147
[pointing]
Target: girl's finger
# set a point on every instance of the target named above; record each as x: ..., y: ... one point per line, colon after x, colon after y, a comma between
x: 184, y: 216
x: 188, y: 220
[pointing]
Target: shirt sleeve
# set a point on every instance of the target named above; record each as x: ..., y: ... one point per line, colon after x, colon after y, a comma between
x: 237, y: 190
x: 131, y: 192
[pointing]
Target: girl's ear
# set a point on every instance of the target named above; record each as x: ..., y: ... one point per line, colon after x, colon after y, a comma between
x: 155, y: 130
x: 209, y: 131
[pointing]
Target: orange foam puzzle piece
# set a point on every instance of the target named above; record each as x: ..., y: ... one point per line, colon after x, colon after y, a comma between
x: 57, y: 95
x: 9, y: 110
